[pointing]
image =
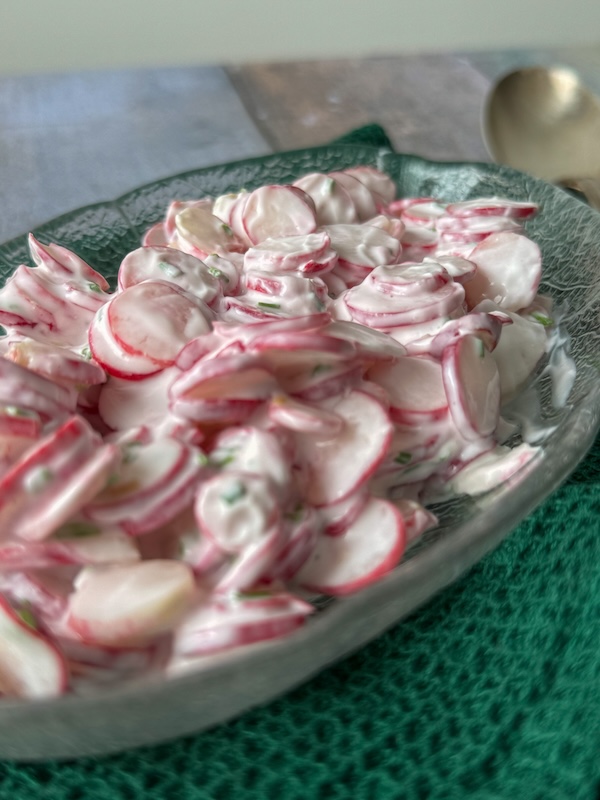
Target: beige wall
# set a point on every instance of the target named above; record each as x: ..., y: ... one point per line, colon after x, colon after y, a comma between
x: 59, y: 35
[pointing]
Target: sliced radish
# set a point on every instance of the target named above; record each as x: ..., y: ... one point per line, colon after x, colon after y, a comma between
x: 333, y: 204
x: 497, y: 467
x: 240, y: 620
x: 509, y: 269
x: 492, y: 206
x: 363, y: 245
x: 415, y: 388
x: 334, y: 468
x: 154, y: 483
x: 112, y: 357
x: 378, y: 183
x: 472, y: 386
x: 362, y: 198
x: 127, y: 604
x: 58, y: 364
x: 274, y: 211
x: 63, y: 264
x: 168, y: 264
x: 154, y: 320
x: 370, y: 548
x: 206, y: 233
x: 30, y: 665
x: 155, y: 236
x: 417, y: 519
x: 303, y: 418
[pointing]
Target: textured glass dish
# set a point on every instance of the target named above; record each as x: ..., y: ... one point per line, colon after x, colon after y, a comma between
x: 153, y: 709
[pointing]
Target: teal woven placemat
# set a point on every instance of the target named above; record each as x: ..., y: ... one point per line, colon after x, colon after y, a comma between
x: 491, y: 691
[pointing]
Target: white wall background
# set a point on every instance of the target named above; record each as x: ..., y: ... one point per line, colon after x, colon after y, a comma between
x: 59, y: 35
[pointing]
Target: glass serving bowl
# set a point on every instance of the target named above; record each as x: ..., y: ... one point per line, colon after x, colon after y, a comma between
x: 154, y: 708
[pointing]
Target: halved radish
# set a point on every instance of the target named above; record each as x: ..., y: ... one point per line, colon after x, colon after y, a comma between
x: 472, y: 386
x: 334, y: 468
x: 30, y: 665
x: 126, y: 604
x: 155, y: 319
x: 371, y: 547
x: 240, y: 620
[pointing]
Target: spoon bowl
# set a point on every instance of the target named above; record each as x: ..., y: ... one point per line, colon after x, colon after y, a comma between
x: 545, y: 122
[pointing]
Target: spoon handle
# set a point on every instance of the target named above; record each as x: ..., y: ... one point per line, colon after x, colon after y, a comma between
x: 589, y: 187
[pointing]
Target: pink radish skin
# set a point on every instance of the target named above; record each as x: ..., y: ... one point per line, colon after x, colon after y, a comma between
x: 415, y: 389
x: 371, y: 547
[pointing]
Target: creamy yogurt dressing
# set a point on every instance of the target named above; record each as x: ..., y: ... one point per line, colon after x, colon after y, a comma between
x: 281, y: 438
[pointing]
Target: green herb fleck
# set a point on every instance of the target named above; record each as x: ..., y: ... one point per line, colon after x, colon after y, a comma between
x: 403, y: 458
x: 217, y: 273
x: 481, y: 348
x: 318, y: 368
x: 221, y: 460
x: 26, y: 615
x: 39, y: 479
x: 268, y: 305
x: 86, y: 353
x: 543, y: 319
x: 252, y: 594
x: 169, y: 269
x: 93, y: 287
x: 234, y: 492
x: 77, y: 530
x: 14, y: 411
x: 201, y: 458
x: 330, y: 186
x: 296, y: 515
x: 227, y: 229
x: 318, y: 302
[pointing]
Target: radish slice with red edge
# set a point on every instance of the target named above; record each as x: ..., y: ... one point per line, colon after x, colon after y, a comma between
x: 370, y: 548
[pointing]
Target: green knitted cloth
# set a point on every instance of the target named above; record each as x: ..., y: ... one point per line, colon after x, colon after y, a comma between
x: 491, y: 691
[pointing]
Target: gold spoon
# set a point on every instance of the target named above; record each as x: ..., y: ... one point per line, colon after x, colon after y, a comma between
x: 546, y: 122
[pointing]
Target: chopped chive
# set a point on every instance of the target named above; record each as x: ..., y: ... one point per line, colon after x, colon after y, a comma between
x: 481, y: 348
x: 39, y: 479
x: 217, y: 273
x: 268, y: 305
x: 543, y: 319
x: 330, y: 186
x: 296, y: 515
x: 403, y: 458
x: 93, y: 287
x: 221, y: 461
x: 201, y: 458
x: 235, y: 492
x: 86, y: 353
x: 26, y: 615
x: 227, y: 229
x: 14, y: 411
x: 77, y: 530
x: 318, y: 368
x: 169, y: 269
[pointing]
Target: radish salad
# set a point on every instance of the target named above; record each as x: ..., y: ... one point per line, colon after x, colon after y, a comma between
x: 258, y: 414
